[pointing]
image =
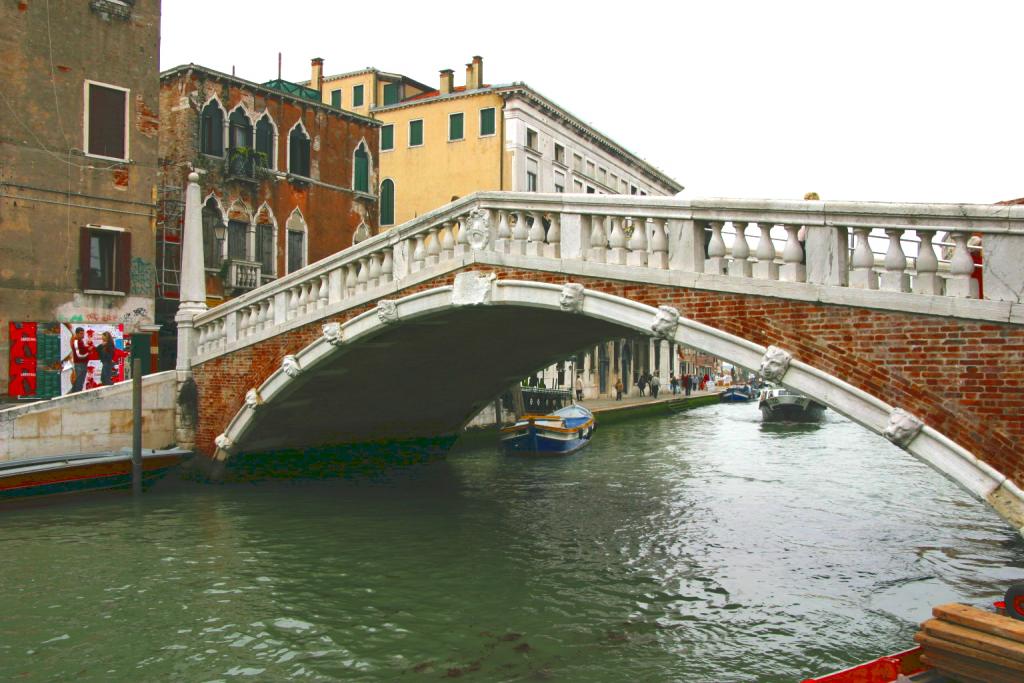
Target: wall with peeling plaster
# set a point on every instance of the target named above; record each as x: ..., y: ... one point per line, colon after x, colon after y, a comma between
x: 49, y: 188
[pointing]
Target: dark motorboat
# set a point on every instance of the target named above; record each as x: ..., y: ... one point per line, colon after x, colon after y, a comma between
x: 740, y: 393
x: 783, y: 405
x: 560, y: 433
x: 69, y: 473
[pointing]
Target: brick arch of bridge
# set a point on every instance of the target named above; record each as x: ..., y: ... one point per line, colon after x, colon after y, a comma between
x: 964, y: 379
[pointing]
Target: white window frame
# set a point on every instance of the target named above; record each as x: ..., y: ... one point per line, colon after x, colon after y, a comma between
x: 107, y: 228
x: 423, y: 132
x: 274, y: 142
x: 450, y: 115
x: 85, y: 119
x: 526, y: 143
x: 288, y: 156
x: 299, y: 226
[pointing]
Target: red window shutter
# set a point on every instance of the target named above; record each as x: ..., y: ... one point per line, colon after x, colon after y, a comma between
x: 83, y: 258
x: 124, y: 262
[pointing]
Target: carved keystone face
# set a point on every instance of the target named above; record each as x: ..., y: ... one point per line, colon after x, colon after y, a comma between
x: 290, y: 365
x: 333, y: 333
x: 571, y: 298
x: 224, y: 443
x: 774, y: 363
x: 387, y: 311
x: 253, y: 399
x: 665, y: 322
x: 902, y: 427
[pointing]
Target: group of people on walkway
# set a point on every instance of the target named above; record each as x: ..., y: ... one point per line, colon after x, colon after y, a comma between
x: 684, y: 384
x: 83, y: 351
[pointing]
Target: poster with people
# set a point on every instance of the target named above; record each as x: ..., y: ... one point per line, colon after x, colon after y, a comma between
x: 88, y: 347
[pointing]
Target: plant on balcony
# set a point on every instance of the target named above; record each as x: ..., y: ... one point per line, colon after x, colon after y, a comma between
x: 246, y: 162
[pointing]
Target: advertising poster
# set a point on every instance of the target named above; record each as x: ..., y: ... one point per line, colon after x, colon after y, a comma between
x: 22, y: 360
x: 93, y: 338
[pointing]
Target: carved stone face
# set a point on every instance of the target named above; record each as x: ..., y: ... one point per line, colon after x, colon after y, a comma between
x: 571, y: 299
x: 223, y: 442
x: 665, y: 322
x: 253, y: 399
x: 333, y: 333
x: 387, y: 311
x: 902, y: 427
x: 290, y: 365
x: 774, y: 363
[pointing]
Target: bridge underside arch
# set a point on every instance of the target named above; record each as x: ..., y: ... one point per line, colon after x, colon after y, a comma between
x: 420, y: 366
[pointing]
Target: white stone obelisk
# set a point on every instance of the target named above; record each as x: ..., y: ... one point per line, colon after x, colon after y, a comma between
x: 192, y: 293
x: 192, y: 297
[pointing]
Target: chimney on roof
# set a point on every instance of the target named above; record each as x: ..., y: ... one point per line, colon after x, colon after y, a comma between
x: 478, y: 71
x: 447, y: 81
x: 316, y: 81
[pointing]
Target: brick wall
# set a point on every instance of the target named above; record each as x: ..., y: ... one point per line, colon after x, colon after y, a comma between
x: 965, y: 379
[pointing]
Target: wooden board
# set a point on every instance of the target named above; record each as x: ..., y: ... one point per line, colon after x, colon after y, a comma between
x: 932, y: 644
x: 980, y: 640
x: 981, y: 620
x: 966, y: 670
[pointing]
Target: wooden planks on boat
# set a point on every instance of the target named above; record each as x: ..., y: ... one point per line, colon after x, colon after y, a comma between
x: 971, y: 644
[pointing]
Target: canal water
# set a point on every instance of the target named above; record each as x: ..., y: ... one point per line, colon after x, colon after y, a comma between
x: 699, y: 547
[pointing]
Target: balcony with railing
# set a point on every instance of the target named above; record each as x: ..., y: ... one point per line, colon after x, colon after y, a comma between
x: 242, y: 275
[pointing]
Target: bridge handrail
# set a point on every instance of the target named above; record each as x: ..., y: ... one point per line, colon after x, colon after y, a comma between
x: 677, y: 234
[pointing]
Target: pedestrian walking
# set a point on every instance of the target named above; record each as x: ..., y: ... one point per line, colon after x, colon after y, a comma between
x: 655, y: 386
x: 108, y: 354
x: 618, y: 389
x: 641, y: 383
x: 80, y: 352
x: 579, y: 387
x: 673, y: 383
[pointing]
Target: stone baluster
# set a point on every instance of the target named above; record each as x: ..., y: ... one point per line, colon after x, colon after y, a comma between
x: 375, y: 269
x: 268, y: 314
x: 307, y: 298
x: 895, y: 277
x: 363, y: 276
x: 793, y: 269
x: 387, y: 266
x: 251, y: 318
x: 293, y: 302
x: 598, y: 240
x: 554, y: 242
x: 260, y: 318
x: 536, y: 236
x: 617, y: 249
x: 242, y: 322
x: 519, y: 234
x: 433, y: 246
x: 659, y: 244
x: 716, y: 262
x: 926, y: 278
x: 961, y: 268
x: 503, y: 242
x: 766, y: 268
x: 740, y: 265
x: 419, y: 254
x: 321, y: 295
x: 462, y: 237
x: 447, y: 241
x: 863, y: 274
x: 202, y: 338
x: 638, y: 243
x: 350, y: 279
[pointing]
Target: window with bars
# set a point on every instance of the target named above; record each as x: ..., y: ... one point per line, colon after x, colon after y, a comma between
x: 106, y: 113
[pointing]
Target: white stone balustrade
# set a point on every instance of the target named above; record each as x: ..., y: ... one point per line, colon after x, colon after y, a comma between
x: 927, y: 252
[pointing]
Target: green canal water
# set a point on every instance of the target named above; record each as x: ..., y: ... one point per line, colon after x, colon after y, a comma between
x: 699, y: 547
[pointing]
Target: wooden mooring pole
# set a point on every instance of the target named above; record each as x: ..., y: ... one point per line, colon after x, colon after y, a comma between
x: 136, y: 426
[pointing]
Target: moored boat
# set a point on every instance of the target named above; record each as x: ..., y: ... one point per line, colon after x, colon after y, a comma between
x: 66, y: 474
x: 740, y: 393
x: 562, y: 432
x: 783, y: 405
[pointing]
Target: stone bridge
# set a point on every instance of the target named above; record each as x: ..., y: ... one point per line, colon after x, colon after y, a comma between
x: 409, y: 333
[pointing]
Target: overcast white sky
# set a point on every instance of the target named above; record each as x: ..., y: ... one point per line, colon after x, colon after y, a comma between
x: 886, y: 101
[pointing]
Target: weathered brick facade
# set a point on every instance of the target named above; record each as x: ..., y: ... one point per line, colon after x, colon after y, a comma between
x: 963, y: 378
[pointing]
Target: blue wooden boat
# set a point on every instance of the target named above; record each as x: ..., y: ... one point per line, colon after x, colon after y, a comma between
x: 560, y: 433
x: 737, y: 394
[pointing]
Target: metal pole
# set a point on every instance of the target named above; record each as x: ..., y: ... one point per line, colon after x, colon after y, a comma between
x: 136, y: 426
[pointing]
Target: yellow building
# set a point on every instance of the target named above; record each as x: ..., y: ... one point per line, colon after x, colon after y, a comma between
x: 438, y: 144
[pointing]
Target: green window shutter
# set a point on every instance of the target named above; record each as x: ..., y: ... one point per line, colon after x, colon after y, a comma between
x: 361, y: 182
x: 336, y: 98
x: 455, y: 127
x: 387, y: 137
x: 415, y: 133
x: 487, y: 121
x: 391, y: 92
x: 357, y: 96
x: 387, y: 202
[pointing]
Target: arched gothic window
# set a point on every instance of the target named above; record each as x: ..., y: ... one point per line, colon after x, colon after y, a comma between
x: 265, y: 142
x: 211, y: 129
x: 298, y: 151
x: 361, y: 169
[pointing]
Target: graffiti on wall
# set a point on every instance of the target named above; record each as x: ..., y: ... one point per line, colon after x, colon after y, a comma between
x: 143, y: 276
